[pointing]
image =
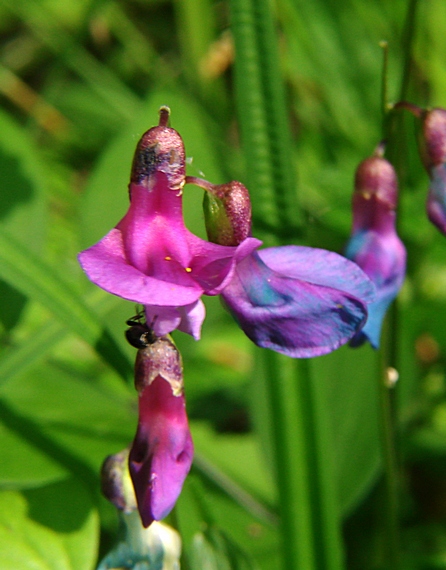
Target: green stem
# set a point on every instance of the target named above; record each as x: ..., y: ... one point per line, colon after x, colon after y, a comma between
x: 397, y: 152
x: 263, y: 119
x: 301, y: 447
x: 388, y: 419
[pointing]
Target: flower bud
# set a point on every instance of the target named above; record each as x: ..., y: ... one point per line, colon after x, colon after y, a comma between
x: 374, y: 244
x: 227, y: 211
x: 433, y: 154
x: 160, y: 149
x: 116, y: 484
x: 433, y: 139
x: 161, y: 453
x: 157, y: 547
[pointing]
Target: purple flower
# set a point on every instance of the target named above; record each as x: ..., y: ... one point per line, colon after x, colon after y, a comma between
x: 162, y: 451
x: 374, y: 244
x: 433, y: 152
x: 150, y: 257
x: 298, y: 301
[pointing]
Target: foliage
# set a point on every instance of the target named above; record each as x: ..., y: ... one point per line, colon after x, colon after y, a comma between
x: 79, y: 82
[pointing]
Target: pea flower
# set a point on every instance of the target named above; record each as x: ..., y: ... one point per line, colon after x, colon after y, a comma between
x: 374, y: 244
x: 161, y: 454
x: 299, y: 301
x: 150, y: 257
x: 433, y: 151
x: 155, y: 548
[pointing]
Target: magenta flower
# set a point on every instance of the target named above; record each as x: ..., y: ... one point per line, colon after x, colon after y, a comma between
x: 150, y: 257
x: 162, y: 451
x: 298, y: 301
x: 374, y: 244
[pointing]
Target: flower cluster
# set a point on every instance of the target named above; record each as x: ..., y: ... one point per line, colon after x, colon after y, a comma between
x: 296, y: 300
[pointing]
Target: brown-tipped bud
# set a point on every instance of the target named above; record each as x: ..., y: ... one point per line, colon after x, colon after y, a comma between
x: 227, y: 211
x: 159, y: 358
x: 160, y: 149
x: 376, y: 178
x: 116, y: 484
x: 161, y: 453
x: 433, y: 138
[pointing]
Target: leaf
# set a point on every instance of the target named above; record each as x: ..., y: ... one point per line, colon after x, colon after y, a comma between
x: 22, y: 269
x: 22, y: 204
x: 50, y: 528
x: 53, y: 423
x: 348, y: 381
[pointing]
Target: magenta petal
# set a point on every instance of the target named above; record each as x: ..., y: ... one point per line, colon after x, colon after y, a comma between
x: 161, y: 454
x: 213, y: 265
x: 106, y: 266
x: 192, y: 317
x: 293, y: 316
x: 319, y: 267
x: 188, y: 318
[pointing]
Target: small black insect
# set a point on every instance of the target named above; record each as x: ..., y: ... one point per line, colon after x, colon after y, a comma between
x: 139, y: 334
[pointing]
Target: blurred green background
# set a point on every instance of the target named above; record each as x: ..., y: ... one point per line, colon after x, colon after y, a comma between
x: 80, y: 81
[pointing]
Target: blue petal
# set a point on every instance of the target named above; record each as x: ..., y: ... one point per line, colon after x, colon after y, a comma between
x: 320, y: 267
x: 291, y: 315
x: 382, y: 256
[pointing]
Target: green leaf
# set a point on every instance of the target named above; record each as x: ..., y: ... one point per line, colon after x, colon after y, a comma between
x: 347, y: 379
x: 22, y: 204
x: 50, y: 528
x: 52, y: 423
x: 22, y: 269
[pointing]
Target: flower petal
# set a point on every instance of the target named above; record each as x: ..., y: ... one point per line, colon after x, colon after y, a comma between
x: 105, y: 265
x: 383, y: 258
x: 436, y: 199
x: 213, y: 265
x: 162, y: 451
x: 290, y: 315
x: 188, y: 318
x: 320, y: 267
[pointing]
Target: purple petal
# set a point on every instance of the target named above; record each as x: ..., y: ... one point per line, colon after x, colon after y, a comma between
x: 382, y: 256
x: 291, y: 315
x: 161, y: 454
x: 320, y: 267
x: 436, y: 199
x: 105, y: 265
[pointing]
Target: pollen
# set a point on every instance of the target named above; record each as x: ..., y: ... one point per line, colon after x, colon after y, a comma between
x: 188, y: 269
x: 168, y: 258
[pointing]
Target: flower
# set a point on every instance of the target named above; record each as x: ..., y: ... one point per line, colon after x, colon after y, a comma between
x: 150, y: 257
x: 374, y: 244
x: 299, y: 301
x: 433, y: 152
x: 161, y: 453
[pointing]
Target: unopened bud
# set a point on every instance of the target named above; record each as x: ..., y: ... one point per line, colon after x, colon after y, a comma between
x: 162, y: 451
x: 433, y: 139
x: 160, y: 149
x: 116, y: 484
x: 227, y: 211
x: 376, y: 178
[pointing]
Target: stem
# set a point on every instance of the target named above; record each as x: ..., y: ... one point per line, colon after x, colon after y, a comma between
x: 304, y: 475
x: 263, y: 118
x: 388, y: 420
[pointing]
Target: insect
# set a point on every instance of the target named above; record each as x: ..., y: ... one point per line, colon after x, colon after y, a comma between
x: 139, y: 334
